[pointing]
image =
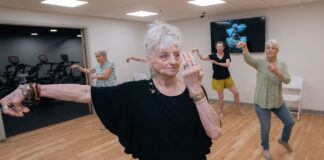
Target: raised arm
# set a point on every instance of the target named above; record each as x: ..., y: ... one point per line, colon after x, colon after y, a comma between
x: 192, y: 76
x: 246, y: 54
x: 138, y: 59
x: 206, y: 58
x: 84, y: 70
x: 202, y: 57
x: 12, y: 103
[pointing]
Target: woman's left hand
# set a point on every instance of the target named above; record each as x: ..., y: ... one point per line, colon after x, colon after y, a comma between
x: 273, y: 68
x: 192, y: 73
x: 12, y: 104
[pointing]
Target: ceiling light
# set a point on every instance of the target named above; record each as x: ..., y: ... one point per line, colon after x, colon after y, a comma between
x: 34, y: 34
x: 206, y: 2
x: 79, y: 35
x: 141, y: 14
x: 53, y: 30
x: 65, y: 3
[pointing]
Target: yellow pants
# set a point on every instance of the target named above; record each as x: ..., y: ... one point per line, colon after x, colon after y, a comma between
x: 219, y: 85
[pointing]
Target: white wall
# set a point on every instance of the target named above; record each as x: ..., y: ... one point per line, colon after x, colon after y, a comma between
x: 300, y: 32
x: 120, y: 38
x: 299, y: 29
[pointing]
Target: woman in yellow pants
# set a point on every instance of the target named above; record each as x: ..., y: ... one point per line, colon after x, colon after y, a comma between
x: 221, y: 77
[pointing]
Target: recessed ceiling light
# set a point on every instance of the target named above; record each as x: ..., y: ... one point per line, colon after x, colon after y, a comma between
x: 65, y: 3
x: 141, y: 14
x: 34, y: 34
x: 53, y: 30
x: 79, y: 35
x: 206, y: 2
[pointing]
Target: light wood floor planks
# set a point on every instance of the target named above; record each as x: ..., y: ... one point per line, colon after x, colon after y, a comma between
x: 85, y: 139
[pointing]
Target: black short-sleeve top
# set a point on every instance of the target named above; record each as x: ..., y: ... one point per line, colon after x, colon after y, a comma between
x: 219, y: 71
x: 150, y: 125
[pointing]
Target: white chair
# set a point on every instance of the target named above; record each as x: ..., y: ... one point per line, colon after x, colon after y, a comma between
x: 139, y: 76
x: 292, y: 94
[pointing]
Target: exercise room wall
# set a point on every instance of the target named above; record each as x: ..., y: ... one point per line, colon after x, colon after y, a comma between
x: 120, y: 38
x: 28, y: 48
x: 299, y: 30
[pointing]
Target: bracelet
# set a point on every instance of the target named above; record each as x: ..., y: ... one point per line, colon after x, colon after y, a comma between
x: 26, y: 90
x: 198, y: 97
x: 30, y: 91
x: 201, y: 100
x: 36, y: 92
x: 39, y: 90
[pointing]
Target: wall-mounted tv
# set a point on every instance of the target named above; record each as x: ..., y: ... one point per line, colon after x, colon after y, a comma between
x: 250, y: 30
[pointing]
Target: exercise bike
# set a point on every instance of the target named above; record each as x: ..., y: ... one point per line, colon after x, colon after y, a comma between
x: 15, y: 74
x: 63, y: 72
x: 43, y: 72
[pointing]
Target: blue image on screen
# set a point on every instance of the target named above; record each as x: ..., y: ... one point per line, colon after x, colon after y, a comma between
x: 233, y: 36
x: 231, y: 31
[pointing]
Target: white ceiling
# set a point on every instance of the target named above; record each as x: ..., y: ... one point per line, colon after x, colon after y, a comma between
x: 170, y: 9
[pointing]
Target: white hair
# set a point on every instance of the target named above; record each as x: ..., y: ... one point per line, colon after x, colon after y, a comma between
x: 272, y: 42
x: 161, y: 35
x: 101, y: 52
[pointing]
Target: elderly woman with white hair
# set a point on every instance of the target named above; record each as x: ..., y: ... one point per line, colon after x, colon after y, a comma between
x: 271, y: 73
x: 104, y: 71
x: 161, y: 118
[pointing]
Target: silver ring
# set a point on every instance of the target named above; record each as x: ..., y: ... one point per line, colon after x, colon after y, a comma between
x: 185, y: 66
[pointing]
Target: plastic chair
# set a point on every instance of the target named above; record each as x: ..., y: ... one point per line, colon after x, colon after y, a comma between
x: 292, y: 93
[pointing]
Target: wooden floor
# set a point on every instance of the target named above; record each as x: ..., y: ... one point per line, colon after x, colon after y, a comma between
x: 85, y: 139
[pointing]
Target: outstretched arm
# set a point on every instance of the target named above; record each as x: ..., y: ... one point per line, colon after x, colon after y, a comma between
x: 84, y: 70
x: 67, y: 92
x: 12, y: 103
x: 192, y: 76
x: 202, y: 57
x: 206, y: 58
x: 138, y: 59
x: 246, y: 54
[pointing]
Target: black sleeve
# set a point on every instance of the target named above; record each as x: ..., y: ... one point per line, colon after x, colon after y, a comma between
x: 113, y: 107
x: 211, y: 56
x: 204, y: 90
x: 228, y: 56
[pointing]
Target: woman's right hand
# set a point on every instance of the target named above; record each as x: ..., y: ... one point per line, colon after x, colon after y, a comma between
x: 241, y: 45
x: 12, y: 104
x: 128, y: 59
